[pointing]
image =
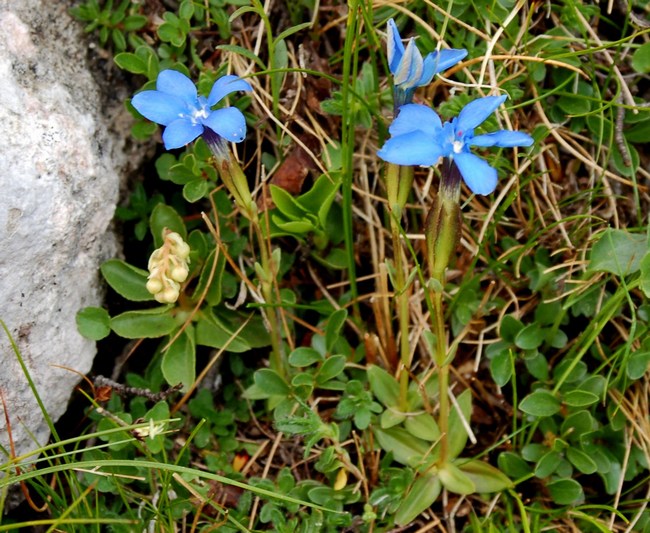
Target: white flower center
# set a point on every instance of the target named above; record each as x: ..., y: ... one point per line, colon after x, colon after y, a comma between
x: 199, y: 114
x: 458, y: 146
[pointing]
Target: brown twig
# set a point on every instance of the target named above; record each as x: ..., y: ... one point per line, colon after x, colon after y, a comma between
x: 124, y: 390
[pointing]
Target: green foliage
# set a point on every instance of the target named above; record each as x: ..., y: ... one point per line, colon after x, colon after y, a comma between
x: 114, y: 24
x: 548, y: 316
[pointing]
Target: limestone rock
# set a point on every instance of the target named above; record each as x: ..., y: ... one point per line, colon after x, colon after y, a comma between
x: 60, y: 169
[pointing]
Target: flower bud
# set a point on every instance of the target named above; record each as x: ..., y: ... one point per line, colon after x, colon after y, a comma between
x: 179, y: 274
x: 154, y: 285
x: 168, y: 267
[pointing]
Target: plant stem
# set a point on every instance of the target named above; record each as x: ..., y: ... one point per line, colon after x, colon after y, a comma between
x: 235, y: 180
x: 269, y: 271
x: 394, y: 186
x: 349, y: 75
x: 441, y: 237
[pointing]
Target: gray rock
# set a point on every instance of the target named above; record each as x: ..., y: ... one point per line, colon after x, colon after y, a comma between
x: 60, y: 168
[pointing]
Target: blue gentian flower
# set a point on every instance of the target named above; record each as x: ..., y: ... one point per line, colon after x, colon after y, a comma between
x: 176, y: 105
x: 419, y: 138
x: 409, y: 69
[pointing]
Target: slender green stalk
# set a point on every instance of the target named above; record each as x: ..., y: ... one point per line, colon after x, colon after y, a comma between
x: 269, y: 271
x: 441, y: 234
x: 393, y: 187
x: 236, y: 182
x: 350, y: 61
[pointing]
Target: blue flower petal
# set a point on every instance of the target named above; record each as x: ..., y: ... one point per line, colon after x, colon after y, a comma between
x: 503, y: 139
x: 158, y: 107
x: 174, y: 83
x: 228, y: 122
x: 181, y: 132
x: 395, y: 47
x: 226, y: 85
x: 477, y: 111
x: 409, y: 70
x: 413, y: 148
x: 480, y: 177
x: 414, y: 117
x: 436, y: 62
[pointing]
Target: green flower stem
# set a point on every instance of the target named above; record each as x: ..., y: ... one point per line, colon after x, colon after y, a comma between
x: 269, y: 270
x: 441, y: 232
x: 394, y: 186
x: 404, y: 186
x: 235, y: 180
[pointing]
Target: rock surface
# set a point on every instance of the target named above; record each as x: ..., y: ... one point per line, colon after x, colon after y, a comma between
x: 60, y: 169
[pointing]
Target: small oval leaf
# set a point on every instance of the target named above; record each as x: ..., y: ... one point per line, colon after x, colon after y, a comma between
x: 126, y: 280
x: 94, y: 323
x: 423, y: 494
x: 144, y: 324
x: 540, y: 403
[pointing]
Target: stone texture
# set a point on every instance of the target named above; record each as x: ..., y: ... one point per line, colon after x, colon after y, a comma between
x: 60, y: 168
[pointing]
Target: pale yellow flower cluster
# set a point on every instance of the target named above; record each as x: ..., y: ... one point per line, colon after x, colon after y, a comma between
x: 168, y: 268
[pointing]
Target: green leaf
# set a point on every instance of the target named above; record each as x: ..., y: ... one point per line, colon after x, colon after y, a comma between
x: 287, y: 204
x: 637, y: 365
x: 530, y: 338
x: 423, y: 426
x: 150, y: 323
x: 186, y: 9
x: 134, y: 22
x: 537, y: 365
x: 565, y: 491
x: 455, y: 480
x: 406, y: 449
x: 126, y: 280
x: 618, y: 252
x: 93, y: 323
x: 213, y: 294
x: 509, y: 328
x: 533, y: 451
x: 581, y: 460
x: 641, y: 59
x: 256, y: 393
x: 304, y: 356
x: 580, y: 398
x: 423, y: 493
x: 142, y: 130
x: 638, y: 133
x: 130, y: 62
x: 391, y: 417
x: 164, y: 216
x: 179, y: 361
x: 292, y: 30
x: 458, y: 434
x: 334, y: 326
x: 195, y: 190
x: 331, y: 368
x: 383, y: 386
x: 513, y: 465
x: 573, y: 105
x: 319, y: 198
x: 644, y: 266
x: 540, y: 403
x: 217, y: 332
x: 547, y: 464
x: 271, y: 382
x: 485, y: 477
x: 501, y: 367
x: 578, y: 424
